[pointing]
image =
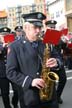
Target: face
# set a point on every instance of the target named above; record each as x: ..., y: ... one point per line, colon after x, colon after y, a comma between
x: 18, y: 33
x: 51, y: 28
x: 32, y: 32
x: 1, y: 39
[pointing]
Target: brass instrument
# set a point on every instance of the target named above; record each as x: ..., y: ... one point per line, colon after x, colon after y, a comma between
x: 49, y: 78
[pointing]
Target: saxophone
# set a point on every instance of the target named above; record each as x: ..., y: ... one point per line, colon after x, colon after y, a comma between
x: 49, y: 77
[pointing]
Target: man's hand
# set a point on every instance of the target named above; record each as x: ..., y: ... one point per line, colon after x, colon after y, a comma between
x: 38, y: 82
x: 5, y: 44
x: 52, y: 62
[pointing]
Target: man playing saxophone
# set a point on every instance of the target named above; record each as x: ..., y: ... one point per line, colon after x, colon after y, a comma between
x: 24, y: 63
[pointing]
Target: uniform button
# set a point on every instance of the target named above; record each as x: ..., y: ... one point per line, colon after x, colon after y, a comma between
x: 37, y: 73
x: 24, y: 42
x: 0, y: 52
x: 5, y: 60
x: 5, y: 56
x: 5, y: 64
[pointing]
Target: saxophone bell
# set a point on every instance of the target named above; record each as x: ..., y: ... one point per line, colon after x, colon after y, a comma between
x: 53, y: 76
x: 47, y: 92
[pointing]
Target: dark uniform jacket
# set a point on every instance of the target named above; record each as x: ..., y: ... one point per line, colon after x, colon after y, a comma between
x: 23, y: 65
x: 3, y: 56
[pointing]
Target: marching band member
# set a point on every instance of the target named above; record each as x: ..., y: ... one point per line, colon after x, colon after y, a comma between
x: 4, y: 33
x: 4, y: 82
x: 18, y: 30
x: 61, y: 73
x: 24, y: 63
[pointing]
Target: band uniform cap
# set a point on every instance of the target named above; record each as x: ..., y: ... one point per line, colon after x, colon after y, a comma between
x: 51, y: 23
x: 5, y: 30
x: 34, y: 18
x: 18, y: 28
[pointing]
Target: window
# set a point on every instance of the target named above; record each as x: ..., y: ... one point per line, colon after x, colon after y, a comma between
x: 61, y: 11
x: 52, y: 16
x: 57, y: 14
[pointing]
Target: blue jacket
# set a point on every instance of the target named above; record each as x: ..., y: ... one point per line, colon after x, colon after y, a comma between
x: 24, y: 64
x: 3, y: 57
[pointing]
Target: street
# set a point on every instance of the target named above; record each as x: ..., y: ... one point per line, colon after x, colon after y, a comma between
x: 67, y: 93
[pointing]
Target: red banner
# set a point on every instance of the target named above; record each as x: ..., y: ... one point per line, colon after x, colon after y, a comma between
x: 64, y: 31
x: 9, y: 38
x: 52, y: 36
x: 70, y: 45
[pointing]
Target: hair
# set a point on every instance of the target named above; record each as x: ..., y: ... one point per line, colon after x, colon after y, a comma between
x: 27, y: 25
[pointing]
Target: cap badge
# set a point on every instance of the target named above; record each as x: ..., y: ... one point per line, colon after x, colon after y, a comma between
x: 5, y: 29
x: 39, y: 15
x: 52, y: 21
x: 19, y: 27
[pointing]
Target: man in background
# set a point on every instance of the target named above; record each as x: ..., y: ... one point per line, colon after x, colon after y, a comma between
x: 61, y: 73
x: 4, y: 81
x: 19, y: 32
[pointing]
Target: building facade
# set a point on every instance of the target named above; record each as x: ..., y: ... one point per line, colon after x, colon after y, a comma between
x: 40, y: 6
x: 3, y: 19
x: 12, y: 17
x: 68, y: 13
x: 59, y: 10
x: 15, y: 15
x: 56, y: 10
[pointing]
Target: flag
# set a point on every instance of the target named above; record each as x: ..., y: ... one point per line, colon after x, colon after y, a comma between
x: 70, y: 45
x: 70, y: 40
x: 9, y: 38
x: 52, y: 36
x: 64, y: 31
x: 69, y: 37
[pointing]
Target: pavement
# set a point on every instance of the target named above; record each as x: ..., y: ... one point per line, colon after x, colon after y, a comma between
x: 67, y: 93
x: 66, y: 96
